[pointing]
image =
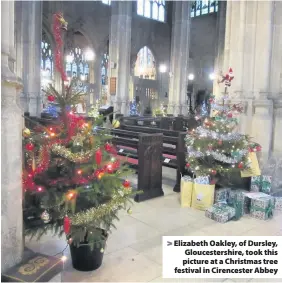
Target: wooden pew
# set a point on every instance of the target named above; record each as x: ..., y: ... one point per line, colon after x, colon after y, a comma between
x: 146, y: 160
x: 173, y: 148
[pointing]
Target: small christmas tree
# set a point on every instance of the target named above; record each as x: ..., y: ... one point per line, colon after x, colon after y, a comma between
x: 73, y: 177
x: 214, y: 148
x: 133, y: 108
x: 94, y: 110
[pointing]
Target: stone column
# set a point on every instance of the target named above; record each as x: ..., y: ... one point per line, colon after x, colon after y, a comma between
x: 179, y: 57
x: 219, y: 51
x: 32, y: 34
x: 11, y: 147
x: 253, y: 36
x: 120, y: 49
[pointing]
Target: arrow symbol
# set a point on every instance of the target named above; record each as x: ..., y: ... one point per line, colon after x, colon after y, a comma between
x: 169, y: 243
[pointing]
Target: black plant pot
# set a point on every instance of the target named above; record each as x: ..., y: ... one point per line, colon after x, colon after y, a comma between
x: 85, y: 259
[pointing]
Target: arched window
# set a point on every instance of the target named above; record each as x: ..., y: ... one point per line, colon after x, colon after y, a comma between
x: 104, y: 71
x: 76, y: 65
x: 153, y: 9
x: 145, y: 67
x: 47, y: 63
x: 203, y: 7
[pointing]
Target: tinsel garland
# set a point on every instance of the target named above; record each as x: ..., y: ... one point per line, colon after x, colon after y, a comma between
x: 74, y: 157
x: 87, y: 217
x: 217, y: 136
x: 58, y: 24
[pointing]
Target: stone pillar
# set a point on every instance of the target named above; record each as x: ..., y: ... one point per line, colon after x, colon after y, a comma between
x: 219, y: 51
x: 11, y: 147
x: 120, y: 49
x: 179, y: 57
x: 32, y: 34
x: 253, y: 50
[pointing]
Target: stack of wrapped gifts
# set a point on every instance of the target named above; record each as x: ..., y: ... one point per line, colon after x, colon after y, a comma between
x: 226, y: 204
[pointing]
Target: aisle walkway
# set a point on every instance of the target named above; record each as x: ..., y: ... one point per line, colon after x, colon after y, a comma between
x: 134, y: 252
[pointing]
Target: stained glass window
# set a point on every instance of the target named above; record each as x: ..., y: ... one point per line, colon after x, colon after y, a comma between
x: 47, y: 63
x: 153, y: 9
x: 203, y: 7
x: 145, y: 64
x: 77, y: 66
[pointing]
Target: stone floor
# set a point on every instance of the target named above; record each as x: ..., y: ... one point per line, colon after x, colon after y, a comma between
x: 134, y: 250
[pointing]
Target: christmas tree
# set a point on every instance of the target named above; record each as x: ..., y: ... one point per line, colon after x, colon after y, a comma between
x: 94, y: 110
x: 133, y: 108
x: 73, y: 177
x: 214, y: 148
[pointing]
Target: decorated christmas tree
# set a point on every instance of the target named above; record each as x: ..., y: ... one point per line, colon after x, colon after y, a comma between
x: 94, y: 110
x: 73, y: 177
x: 133, y: 108
x: 214, y: 148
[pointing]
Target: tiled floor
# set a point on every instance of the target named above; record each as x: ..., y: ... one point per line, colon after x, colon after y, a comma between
x: 134, y: 252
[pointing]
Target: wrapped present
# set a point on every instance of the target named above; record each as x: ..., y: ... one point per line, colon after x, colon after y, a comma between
x: 221, y: 195
x: 262, y: 208
x: 186, y: 189
x: 204, y: 180
x: 278, y: 203
x: 261, y: 184
x: 220, y: 212
x: 203, y: 194
x: 265, y: 184
x: 255, y: 183
x: 240, y: 201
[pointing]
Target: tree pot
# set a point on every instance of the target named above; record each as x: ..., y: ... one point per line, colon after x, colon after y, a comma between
x: 85, y: 259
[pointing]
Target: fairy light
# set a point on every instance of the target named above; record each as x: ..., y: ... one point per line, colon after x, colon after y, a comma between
x: 39, y: 189
x: 79, y: 172
x: 52, y: 134
x: 64, y: 258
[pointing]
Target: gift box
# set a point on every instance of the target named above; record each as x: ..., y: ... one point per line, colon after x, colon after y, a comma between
x: 262, y: 208
x: 255, y: 183
x: 238, y: 200
x: 265, y: 184
x: 221, y: 195
x: 220, y: 212
x: 261, y: 184
x: 278, y: 203
x: 186, y: 189
x: 203, y: 193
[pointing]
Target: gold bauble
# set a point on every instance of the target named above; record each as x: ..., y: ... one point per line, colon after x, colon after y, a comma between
x: 129, y: 211
x: 116, y: 124
x: 26, y: 132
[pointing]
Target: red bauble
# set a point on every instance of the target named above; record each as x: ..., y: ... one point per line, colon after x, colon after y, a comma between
x: 220, y: 142
x: 258, y: 148
x: 51, y: 98
x: 29, y: 146
x: 126, y: 183
x: 251, y: 150
x: 108, y: 147
x: 213, y: 172
x: 98, y: 156
x: 212, y: 182
x: 67, y: 225
x: 229, y: 115
x: 188, y: 165
x: 211, y: 100
x: 240, y: 165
